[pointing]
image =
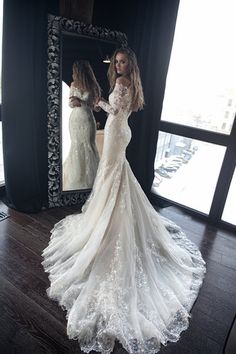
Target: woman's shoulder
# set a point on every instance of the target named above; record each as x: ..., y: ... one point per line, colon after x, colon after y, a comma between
x: 123, y: 81
x: 73, y: 85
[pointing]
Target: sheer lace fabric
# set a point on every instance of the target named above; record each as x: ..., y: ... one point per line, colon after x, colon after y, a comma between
x: 80, y: 166
x: 120, y: 270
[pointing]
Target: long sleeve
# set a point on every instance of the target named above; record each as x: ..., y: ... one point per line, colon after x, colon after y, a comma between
x: 117, y: 102
x: 74, y: 91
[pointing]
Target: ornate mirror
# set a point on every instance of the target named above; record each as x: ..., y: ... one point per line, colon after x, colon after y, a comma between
x: 68, y: 41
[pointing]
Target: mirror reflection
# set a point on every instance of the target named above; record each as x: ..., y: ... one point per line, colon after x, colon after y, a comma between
x: 80, y: 167
x: 84, y: 73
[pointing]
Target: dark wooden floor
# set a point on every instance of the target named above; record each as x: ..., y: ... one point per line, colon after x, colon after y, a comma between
x: 31, y: 323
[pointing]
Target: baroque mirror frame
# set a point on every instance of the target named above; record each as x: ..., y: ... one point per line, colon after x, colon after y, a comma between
x: 56, y: 26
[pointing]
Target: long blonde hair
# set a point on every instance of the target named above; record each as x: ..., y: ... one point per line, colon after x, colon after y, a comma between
x: 133, y: 74
x: 85, y: 79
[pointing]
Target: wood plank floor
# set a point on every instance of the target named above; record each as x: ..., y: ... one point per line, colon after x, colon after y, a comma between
x: 30, y: 323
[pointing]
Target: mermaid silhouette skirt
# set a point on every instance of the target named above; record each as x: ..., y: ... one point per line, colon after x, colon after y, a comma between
x: 120, y: 270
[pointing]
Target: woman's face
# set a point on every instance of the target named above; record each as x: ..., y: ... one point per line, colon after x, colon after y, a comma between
x: 121, y: 64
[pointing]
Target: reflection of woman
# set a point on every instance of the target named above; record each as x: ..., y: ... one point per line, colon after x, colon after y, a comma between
x: 80, y: 167
x: 119, y: 269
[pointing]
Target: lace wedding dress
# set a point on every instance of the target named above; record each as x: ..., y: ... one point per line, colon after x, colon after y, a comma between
x: 120, y: 270
x: 80, y: 167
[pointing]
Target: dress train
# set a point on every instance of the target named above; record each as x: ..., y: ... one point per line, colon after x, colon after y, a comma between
x: 120, y: 270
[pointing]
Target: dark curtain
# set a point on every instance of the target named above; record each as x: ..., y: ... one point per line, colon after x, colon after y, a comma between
x: 24, y: 103
x: 151, y: 36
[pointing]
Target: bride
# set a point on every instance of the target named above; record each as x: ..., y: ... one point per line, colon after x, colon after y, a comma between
x: 120, y: 270
x: 80, y: 166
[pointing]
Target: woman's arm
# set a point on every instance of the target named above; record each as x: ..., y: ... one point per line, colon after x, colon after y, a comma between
x: 78, y: 93
x: 118, y: 93
x: 77, y: 96
x: 96, y: 108
x: 74, y: 102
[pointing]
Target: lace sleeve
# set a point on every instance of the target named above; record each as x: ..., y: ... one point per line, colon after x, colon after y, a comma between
x: 116, y: 103
x: 74, y: 91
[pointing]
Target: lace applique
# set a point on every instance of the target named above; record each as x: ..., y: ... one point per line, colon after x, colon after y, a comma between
x: 117, y: 101
x: 121, y: 270
x: 82, y: 95
x: 80, y: 166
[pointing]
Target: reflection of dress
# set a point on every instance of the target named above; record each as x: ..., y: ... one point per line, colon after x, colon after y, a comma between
x: 80, y: 167
x: 119, y: 269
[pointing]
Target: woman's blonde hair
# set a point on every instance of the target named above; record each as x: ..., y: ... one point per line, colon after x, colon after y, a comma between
x: 85, y: 79
x: 133, y: 74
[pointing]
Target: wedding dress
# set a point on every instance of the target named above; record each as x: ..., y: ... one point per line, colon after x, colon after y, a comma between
x: 120, y: 270
x: 80, y: 167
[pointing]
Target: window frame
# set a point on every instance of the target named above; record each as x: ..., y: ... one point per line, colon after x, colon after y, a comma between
x: 226, y: 171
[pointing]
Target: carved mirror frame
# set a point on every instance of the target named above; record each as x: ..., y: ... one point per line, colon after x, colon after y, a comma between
x: 56, y: 26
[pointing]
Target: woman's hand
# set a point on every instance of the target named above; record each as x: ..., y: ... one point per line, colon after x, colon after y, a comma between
x: 75, y: 101
x: 96, y: 107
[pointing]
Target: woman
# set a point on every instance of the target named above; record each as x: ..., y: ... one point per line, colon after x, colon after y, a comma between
x: 80, y: 167
x: 120, y: 270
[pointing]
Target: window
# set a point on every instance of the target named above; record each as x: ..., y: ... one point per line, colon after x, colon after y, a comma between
x: 187, y: 170
x: 200, y: 86
x: 196, y: 150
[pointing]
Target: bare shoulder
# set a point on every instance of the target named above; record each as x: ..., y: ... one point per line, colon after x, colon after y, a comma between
x: 73, y: 84
x: 123, y: 81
